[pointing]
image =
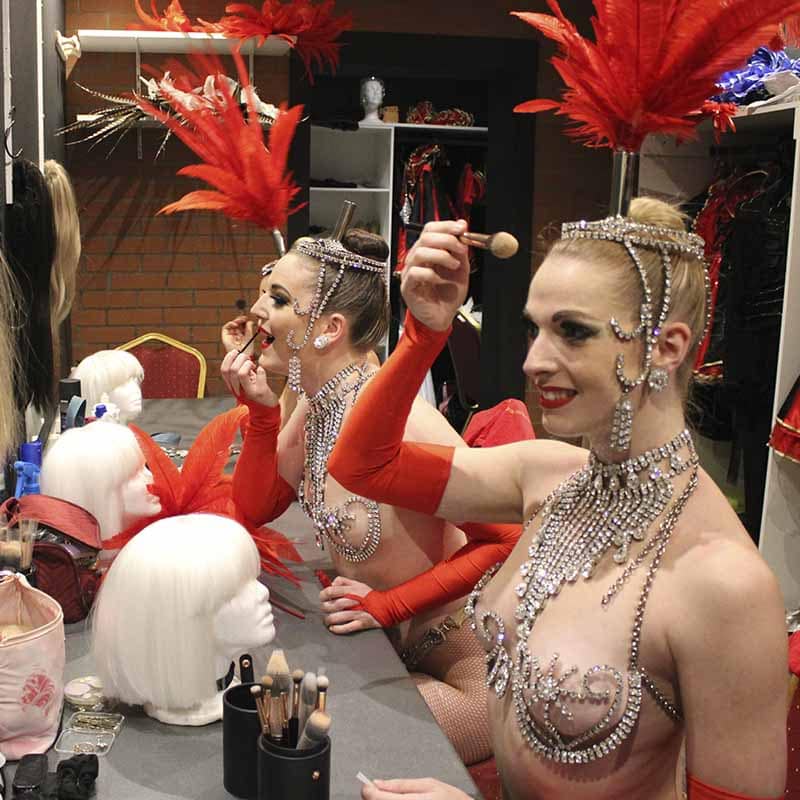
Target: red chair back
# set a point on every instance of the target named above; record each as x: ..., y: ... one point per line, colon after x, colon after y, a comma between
x: 171, y: 368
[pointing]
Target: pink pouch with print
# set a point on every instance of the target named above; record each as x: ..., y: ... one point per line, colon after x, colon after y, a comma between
x: 32, y: 656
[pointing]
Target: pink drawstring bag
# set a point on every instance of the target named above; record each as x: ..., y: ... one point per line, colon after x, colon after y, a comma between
x: 32, y: 656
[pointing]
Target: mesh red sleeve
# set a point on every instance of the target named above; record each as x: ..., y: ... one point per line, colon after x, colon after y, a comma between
x: 697, y: 790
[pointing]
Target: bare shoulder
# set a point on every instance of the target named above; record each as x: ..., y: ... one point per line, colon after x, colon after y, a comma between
x: 720, y: 580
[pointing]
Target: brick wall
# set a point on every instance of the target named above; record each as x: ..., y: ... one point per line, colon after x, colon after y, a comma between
x: 181, y: 275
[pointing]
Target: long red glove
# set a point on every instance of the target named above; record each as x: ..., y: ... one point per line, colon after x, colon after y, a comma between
x: 697, y: 790
x: 448, y: 580
x: 258, y: 490
x: 370, y: 457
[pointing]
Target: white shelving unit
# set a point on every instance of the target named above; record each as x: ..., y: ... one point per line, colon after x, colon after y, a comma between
x: 680, y: 172
x: 121, y: 41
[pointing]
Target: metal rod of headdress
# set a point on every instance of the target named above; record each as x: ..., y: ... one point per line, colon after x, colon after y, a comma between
x: 343, y: 223
x: 624, y: 182
x: 280, y: 244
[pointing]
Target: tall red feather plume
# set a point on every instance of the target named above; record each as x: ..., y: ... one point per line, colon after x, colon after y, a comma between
x: 315, y: 27
x: 652, y: 65
x: 201, y: 487
x: 249, y: 181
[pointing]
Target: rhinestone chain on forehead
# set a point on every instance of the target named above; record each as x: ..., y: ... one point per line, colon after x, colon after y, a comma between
x: 323, y: 424
x: 601, y: 507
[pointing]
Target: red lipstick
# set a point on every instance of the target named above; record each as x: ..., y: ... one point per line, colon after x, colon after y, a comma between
x: 559, y: 397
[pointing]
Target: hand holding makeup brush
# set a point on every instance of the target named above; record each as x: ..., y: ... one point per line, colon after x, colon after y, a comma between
x: 238, y: 331
x: 246, y: 380
x: 435, y: 278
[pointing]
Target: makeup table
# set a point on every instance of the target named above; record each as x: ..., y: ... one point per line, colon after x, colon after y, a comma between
x: 381, y: 726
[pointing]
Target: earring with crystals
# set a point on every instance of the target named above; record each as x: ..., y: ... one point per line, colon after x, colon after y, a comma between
x: 293, y: 377
x: 622, y: 424
x: 658, y: 379
x: 321, y: 342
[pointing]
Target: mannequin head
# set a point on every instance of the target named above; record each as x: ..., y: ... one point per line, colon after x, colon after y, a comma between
x: 101, y: 468
x: 115, y: 376
x: 372, y: 93
x: 181, y: 600
x: 68, y: 243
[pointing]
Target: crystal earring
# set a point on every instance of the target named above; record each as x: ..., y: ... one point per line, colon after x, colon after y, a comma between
x: 658, y: 379
x: 622, y: 425
x: 321, y: 342
x: 293, y: 378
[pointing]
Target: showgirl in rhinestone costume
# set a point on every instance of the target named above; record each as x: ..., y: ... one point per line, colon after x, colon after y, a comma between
x: 323, y: 312
x: 634, y: 615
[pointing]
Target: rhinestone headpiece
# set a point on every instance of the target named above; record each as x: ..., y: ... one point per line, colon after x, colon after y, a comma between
x: 336, y: 254
x: 622, y: 229
x: 666, y: 241
x: 329, y: 251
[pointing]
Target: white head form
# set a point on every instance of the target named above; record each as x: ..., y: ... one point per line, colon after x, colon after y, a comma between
x: 115, y: 376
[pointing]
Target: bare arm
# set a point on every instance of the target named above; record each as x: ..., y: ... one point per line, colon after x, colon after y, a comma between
x: 730, y: 647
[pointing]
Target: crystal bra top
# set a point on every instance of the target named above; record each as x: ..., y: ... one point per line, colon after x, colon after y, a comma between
x: 597, y: 508
x: 323, y: 424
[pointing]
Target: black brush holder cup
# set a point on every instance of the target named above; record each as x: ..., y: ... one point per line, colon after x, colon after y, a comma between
x: 288, y: 774
x: 240, y: 732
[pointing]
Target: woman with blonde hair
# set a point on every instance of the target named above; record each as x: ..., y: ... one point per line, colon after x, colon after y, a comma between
x: 613, y: 630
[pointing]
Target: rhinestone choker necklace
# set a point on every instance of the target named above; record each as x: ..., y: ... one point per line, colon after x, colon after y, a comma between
x: 600, y: 507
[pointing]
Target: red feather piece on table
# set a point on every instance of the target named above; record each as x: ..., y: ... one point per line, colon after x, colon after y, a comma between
x: 202, y: 488
x: 249, y: 180
x: 653, y: 63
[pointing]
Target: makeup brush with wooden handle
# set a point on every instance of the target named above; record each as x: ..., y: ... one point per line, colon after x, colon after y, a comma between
x: 316, y: 729
x: 500, y: 244
x: 294, y: 720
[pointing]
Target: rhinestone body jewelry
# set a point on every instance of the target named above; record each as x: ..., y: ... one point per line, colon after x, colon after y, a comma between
x: 600, y: 507
x: 323, y: 423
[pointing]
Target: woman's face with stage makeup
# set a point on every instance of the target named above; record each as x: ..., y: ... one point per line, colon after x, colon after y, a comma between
x: 572, y: 349
x: 290, y: 288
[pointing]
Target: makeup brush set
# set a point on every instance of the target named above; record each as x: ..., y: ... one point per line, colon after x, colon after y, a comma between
x: 276, y: 735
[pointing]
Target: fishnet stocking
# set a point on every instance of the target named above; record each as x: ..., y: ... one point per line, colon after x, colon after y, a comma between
x: 451, y: 680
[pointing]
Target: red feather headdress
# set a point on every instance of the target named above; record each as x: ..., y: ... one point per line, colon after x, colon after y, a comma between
x: 249, y: 180
x: 653, y: 63
x: 311, y: 29
x: 201, y: 487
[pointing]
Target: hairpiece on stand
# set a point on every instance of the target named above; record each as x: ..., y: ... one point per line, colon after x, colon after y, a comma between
x: 250, y: 181
x: 329, y: 252
x: 312, y: 30
x: 616, y: 96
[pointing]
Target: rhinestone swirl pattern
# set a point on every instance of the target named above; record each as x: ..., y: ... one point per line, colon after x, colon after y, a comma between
x: 599, y: 509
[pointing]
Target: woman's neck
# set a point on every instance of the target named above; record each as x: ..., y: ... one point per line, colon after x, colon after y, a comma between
x: 654, y: 424
x: 317, y: 373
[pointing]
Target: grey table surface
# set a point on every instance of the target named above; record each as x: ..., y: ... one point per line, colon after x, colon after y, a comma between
x: 381, y: 726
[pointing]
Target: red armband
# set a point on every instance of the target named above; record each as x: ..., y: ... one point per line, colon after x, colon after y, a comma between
x: 697, y: 790
x: 446, y: 581
x: 259, y: 492
x: 370, y: 457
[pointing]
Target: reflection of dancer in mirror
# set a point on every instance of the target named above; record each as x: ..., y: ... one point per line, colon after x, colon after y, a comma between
x: 372, y: 94
x: 322, y: 315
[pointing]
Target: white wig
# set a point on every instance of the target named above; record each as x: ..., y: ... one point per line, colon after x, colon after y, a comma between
x: 104, y: 371
x: 152, y: 633
x: 89, y: 466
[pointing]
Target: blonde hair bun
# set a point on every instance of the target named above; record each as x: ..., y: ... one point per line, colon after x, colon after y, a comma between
x: 650, y: 211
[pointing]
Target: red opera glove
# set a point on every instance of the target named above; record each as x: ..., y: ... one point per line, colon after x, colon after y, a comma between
x: 370, y: 457
x: 260, y: 493
x: 697, y: 790
x: 448, y: 580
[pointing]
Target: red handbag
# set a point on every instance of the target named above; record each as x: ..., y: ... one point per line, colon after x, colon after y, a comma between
x: 66, y: 555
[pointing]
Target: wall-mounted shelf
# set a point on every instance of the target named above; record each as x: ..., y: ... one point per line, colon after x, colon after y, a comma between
x: 349, y: 189
x: 466, y: 129
x: 118, y: 41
